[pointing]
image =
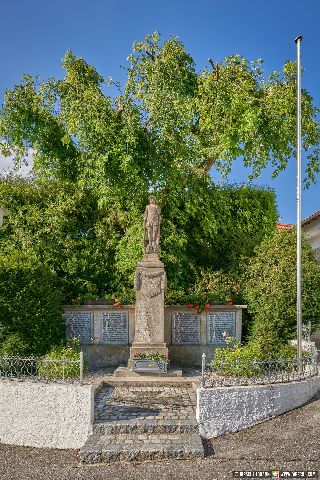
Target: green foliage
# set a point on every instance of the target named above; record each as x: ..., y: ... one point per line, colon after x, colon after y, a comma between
x: 12, y: 344
x: 226, y: 284
x: 240, y: 360
x: 66, y: 229
x: 31, y: 319
x: 98, y: 157
x: 270, y: 288
x: 94, y: 249
x: 62, y: 362
x: 200, y: 302
x: 168, y: 123
x: 208, y: 228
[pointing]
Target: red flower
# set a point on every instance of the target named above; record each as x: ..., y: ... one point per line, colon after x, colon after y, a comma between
x: 190, y: 305
x: 207, y: 305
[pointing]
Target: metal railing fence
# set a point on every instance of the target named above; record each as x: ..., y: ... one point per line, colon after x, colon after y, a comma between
x: 255, y: 372
x: 44, y: 369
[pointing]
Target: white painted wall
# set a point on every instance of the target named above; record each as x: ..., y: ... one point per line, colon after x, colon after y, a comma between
x: 222, y: 410
x: 45, y: 415
x: 312, y: 232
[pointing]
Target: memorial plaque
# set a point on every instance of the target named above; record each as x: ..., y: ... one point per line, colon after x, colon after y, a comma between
x: 114, y: 328
x: 185, y: 328
x: 79, y: 325
x: 217, y: 324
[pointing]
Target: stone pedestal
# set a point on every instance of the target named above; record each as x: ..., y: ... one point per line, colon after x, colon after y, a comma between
x: 150, y: 283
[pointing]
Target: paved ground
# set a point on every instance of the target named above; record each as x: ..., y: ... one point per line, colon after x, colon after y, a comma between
x: 145, y: 402
x: 291, y: 441
x: 144, y: 422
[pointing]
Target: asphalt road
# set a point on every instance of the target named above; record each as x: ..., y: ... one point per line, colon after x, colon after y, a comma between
x: 291, y: 441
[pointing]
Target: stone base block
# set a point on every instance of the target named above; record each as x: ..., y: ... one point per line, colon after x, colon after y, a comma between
x: 127, y: 372
x: 149, y: 346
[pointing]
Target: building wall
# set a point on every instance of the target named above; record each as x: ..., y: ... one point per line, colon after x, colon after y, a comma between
x: 312, y: 231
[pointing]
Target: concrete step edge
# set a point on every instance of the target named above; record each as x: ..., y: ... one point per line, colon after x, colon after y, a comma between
x: 122, y: 382
x: 114, y: 452
x: 124, y: 427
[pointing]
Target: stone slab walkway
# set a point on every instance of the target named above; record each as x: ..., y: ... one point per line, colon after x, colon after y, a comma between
x: 144, y: 422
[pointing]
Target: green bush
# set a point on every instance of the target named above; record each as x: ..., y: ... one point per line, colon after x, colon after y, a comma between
x: 224, y: 284
x: 31, y: 319
x: 93, y: 246
x: 13, y: 344
x: 270, y: 288
x: 239, y: 360
x: 62, y: 361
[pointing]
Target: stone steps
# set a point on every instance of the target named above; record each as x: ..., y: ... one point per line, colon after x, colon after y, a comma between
x: 137, y: 422
x: 146, y: 427
x: 147, y: 382
x: 132, y: 447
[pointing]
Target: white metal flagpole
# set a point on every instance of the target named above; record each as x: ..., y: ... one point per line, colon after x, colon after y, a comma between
x: 299, y: 309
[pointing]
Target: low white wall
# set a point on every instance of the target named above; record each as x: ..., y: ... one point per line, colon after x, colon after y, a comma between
x: 222, y: 410
x: 45, y: 415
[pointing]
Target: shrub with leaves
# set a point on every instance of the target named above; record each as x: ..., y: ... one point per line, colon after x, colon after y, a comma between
x: 62, y: 362
x: 270, y: 288
x: 94, y: 250
x: 31, y: 319
x: 244, y: 360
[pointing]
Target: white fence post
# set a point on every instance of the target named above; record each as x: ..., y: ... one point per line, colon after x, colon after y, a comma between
x: 203, y: 369
x: 81, y: 367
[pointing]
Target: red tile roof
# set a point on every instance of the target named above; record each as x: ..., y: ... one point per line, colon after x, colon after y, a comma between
x: 284, y: 226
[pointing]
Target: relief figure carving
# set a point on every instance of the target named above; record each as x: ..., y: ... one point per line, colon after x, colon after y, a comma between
x: 150, y: 284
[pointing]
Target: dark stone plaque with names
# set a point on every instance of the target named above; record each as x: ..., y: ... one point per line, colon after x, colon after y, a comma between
x: 114, y: 328
x: 217, y: 324
x: 79, y: 325
x: 185, y: 328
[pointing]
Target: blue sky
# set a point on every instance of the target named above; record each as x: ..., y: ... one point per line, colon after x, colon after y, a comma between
x: 34, y: 36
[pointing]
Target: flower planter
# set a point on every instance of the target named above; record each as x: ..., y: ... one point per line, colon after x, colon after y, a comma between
x: 98, y: 301
x: 149, y: 365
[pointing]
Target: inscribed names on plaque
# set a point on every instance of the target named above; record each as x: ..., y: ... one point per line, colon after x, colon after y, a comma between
x: 114, y: 328
x: 217, y: 324
x: 185, y: 328
x: 79, y: 325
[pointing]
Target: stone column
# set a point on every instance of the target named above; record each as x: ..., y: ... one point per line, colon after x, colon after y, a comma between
x: 150, y: 283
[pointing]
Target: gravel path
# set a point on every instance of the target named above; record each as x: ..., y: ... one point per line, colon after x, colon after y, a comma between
x: 291, y: 441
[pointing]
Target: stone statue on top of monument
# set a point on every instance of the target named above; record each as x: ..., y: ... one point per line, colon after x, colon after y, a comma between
x: 151, y: 227
x: 150, y: 284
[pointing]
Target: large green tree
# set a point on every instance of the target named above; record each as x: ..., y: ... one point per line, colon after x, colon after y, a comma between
x: 168, y: 124
x: 98, y: 156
